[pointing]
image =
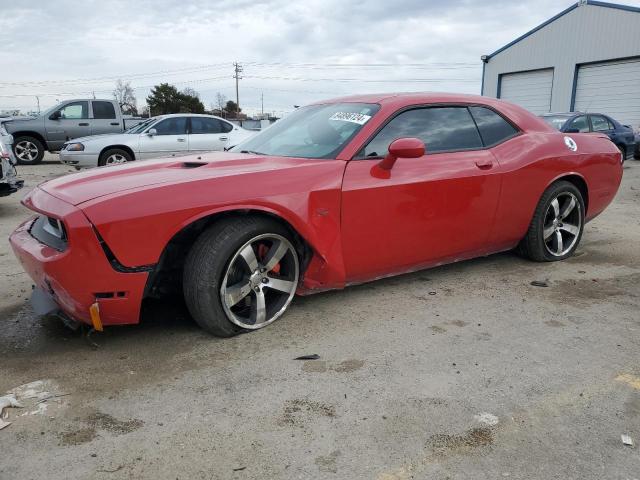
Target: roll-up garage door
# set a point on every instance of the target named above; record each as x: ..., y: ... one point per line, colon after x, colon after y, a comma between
x: 612, y: 88
x: 531, y: 90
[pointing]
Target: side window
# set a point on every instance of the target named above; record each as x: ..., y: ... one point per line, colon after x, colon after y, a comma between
x: 75, y: 111
x: 171, y: 126
x: 226, y: 127
x: 103, y: 110
x: 440, y: 128
x: 205, y: 125
x: 580, y: 123
x: 599, y: 123
x: 493, y: 128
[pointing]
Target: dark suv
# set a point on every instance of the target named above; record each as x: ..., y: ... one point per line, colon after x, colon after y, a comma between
x: 578, y: 122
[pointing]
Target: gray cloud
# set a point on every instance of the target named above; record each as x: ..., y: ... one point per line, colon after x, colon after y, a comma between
x: 63, y: 40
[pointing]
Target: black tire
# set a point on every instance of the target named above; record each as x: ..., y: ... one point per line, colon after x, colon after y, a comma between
x: 623, y: 151
x: 207, y: 263
x: 102, y: 161
x: 24, y: 144
x: 533, y: 245
x: 636, y: 153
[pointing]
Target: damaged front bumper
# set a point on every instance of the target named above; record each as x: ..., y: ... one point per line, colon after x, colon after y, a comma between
x: 9, y: 182
x: 76, y: 275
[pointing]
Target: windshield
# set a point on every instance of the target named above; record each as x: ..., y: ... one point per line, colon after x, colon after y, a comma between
x: 556, y: 121
x: 316, y: 131
x: 140, y: 126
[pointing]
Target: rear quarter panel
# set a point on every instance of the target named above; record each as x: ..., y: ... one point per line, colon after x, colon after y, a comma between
x: 531, y: 162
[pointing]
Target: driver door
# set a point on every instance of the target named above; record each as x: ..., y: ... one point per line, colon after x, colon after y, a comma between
x: 432, y: 209
x: 73, y: 122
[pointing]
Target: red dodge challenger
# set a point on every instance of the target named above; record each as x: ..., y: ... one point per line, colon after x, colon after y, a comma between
x: 339, y: 192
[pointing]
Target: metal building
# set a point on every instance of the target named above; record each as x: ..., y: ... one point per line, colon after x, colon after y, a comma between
x: 586, y: 58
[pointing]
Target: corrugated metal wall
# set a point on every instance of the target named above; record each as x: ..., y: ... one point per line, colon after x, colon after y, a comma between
x: 612, y: 88
x: 532, y: 90
x: 588, y: 33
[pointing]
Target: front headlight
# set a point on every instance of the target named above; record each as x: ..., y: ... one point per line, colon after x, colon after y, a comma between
x: 75, y: 147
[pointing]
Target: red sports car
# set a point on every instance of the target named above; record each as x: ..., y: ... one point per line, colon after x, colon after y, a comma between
x: 339, y: 192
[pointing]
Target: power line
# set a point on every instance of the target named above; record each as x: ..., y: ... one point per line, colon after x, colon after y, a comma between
x: 219, y: 66
x: 134, y: 76
x: 361, y: 65
x: 364, y: 80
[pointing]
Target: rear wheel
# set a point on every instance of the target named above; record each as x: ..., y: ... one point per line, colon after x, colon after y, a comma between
x: 28, y: 150
x: 240, y: 275
x: 557, y: 224
x: 114, y: 156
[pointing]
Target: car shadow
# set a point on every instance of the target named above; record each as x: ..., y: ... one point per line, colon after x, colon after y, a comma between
x: 166, y: 324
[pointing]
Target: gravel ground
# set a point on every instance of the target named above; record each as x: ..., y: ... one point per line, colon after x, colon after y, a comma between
x: 461, y: 372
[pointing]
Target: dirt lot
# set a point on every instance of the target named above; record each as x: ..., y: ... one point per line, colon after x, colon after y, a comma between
x: 460, y: 372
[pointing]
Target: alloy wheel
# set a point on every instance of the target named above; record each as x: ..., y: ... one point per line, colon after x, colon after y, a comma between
x: 562, y: 224
x: 115, y: 159
x: 260, y: 281
x: 26, y: 151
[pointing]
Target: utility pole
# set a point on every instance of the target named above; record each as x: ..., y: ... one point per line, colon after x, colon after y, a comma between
x: 262, y: 105
x: 238, y: 70
x: 38, y: 100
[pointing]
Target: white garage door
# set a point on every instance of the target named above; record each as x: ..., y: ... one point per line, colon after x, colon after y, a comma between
x: 531, y: 90
x: 612, y: 88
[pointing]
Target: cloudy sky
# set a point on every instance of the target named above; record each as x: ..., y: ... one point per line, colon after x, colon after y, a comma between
x: 293, y: 52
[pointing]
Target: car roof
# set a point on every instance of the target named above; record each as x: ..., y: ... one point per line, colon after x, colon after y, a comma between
x: 411, y: 97
x: 395, y: 101
x: 171, y: 115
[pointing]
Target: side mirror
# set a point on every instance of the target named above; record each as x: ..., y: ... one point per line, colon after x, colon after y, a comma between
x: 402, y: 148
x: 55, y: 115
x: 572, y: 130
x: 152, y: 132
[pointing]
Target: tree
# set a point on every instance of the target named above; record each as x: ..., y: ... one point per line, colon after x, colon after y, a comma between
x: 219, y: 105
x: 232, y: 108
x: 190, y: 92
x: 126, y: 98
x: 190, y: 101
x: 165, y: 98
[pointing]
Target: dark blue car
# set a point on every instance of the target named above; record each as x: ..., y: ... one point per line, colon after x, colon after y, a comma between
x: 578, y: 122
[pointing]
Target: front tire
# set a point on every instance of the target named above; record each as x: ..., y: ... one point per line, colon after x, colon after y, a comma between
x: 557, y: 225
x: 28, y: 150
x: 240, y: 275
x: 114, y: 156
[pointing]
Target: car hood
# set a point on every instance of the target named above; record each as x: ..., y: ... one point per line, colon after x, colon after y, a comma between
x: 82, y: 187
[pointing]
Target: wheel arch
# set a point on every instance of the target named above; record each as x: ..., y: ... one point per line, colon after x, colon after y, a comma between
x: 579, y: 182
x: 126, y: 148
x: 29, y: 133
x: 166, y: 278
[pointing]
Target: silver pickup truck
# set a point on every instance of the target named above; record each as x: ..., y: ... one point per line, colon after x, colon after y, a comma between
x: 67, y: 120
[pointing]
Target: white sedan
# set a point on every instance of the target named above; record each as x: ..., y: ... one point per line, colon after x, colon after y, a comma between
x: 162, y: 136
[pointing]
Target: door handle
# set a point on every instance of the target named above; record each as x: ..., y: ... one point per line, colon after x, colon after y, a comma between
x: 181, y: 140
x: 224, y: 139
x: 484, y: 164
x: 114, y: 123
x: 83, y: 124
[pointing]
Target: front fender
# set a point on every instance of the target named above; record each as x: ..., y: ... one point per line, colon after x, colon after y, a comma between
x: 137, y: 225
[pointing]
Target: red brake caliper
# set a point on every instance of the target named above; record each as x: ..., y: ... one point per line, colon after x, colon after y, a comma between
x: 262, y: 253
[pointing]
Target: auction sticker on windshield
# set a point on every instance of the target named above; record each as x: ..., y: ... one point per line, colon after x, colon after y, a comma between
x: 358, y: 118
